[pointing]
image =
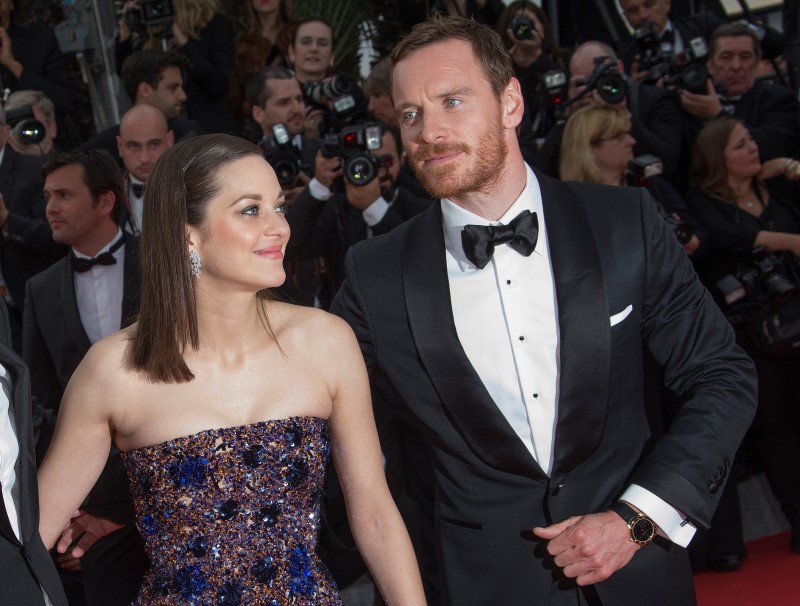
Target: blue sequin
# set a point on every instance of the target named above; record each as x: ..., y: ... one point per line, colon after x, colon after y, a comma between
x: 199, y: 546
x: 254, y: 456
x: 230, y: 594
x: 264, y: 570
x: 302, y: 580
x: 229, y: 509
x: 189, y: 472
x: 296, y: 470
x: 191, y: 582
x: 268, y: 514
x: 148, y: 524
x: 293, y: 435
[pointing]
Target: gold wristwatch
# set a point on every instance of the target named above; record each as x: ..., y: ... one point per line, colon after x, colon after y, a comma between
x: 642, y: 528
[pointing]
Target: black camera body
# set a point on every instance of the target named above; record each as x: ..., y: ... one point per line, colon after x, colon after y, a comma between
x: 685, y: 69
x: 522, y: 28
x: 25, y: 126
x: 283, y: 157
x: 150, y: 13
x: 607, y: 81
x: 355, y: 144
x: 763, y: 295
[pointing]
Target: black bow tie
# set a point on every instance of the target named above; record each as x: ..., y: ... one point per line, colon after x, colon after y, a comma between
x: 479, y: 241
x: 667, y: 37
x: 81, y: 265
x: 138, y: 189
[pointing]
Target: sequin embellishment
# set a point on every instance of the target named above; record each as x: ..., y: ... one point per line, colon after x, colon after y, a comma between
x: 229, y: 516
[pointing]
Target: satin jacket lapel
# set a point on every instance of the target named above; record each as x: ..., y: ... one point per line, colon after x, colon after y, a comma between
x: 430, y: 314
x: 69, y: 301
x: 585, y: 332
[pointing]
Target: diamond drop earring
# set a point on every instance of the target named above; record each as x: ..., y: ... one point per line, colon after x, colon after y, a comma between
x: 194, y: 261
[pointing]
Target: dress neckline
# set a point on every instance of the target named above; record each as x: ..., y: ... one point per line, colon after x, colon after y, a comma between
x: 196, y: 434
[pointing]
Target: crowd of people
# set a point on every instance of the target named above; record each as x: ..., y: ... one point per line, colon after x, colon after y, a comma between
x: 565, y: 416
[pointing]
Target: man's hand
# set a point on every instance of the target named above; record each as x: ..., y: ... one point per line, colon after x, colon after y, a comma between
x: 525, y: 52
x: 327, y: 170
x: 589, y: 548
x: 362, y: 196
x: 313, y: 123
x: 7, y: 58
x: 291, y: 193
x: 84, y: 531
x: 702, y: 106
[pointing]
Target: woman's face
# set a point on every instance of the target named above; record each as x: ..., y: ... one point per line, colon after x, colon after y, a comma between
x: 613, y: 153
x: 243, y: 239
x: 265, y: 6
x: 741, y: 154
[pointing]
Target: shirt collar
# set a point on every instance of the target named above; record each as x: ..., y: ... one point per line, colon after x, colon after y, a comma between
x: 454, y: 218
x: 117, y: 253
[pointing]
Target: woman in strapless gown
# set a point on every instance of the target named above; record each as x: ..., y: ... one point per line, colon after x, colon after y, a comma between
x: 226, y: 405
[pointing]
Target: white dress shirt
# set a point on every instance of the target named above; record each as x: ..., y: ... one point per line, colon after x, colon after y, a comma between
x: 9, y: 453
x: 99, y: 294
x: 504, y: 316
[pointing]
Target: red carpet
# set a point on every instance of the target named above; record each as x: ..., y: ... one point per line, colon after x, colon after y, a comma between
x: 770, y: 576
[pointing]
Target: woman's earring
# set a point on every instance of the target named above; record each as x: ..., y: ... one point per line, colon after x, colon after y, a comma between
x: 194, y: 261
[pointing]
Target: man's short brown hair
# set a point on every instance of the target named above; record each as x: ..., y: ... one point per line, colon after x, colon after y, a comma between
x: 734, y: 30
x: 487, y: 46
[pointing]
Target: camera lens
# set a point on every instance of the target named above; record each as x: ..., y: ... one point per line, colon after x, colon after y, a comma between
x: 29, y: 131
x: 360, y: 170
x: 694, y: 79
x: 522, y: 28
x: 611, y: 87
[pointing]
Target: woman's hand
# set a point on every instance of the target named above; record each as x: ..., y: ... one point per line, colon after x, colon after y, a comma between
x: 525, y: 52
x: 788, y: 167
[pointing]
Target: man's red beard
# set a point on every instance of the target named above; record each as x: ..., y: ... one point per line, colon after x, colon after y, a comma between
x: 484, y: 173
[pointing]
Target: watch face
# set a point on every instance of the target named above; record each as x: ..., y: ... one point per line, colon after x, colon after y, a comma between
x: 642, y: 529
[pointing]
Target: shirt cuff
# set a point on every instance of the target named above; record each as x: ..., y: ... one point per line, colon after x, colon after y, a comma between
x: 375, y: 212
x: 318, y: 191
x: 670, y: 521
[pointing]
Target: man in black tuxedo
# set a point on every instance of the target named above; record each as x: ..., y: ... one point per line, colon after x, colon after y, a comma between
x: 523, y: 363
x: 769, y: 111
x: 26, y: 243
x: 27, y: 573
x: 89, y: 294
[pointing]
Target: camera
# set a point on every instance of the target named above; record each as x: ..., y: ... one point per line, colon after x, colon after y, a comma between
x: 607, y: 80
x: 763, y: 295
x: 282, y: 156
x: 555, y: 85
x: 355, y: 145
x: 684, y: 69
x: 151, y: 12
x: 522, y: 28
x: 348, y: 100
x: 25, y: 126
x: 643, y: 168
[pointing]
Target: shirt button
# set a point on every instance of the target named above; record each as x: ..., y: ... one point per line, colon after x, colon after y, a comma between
x: 508, y: 281
x: 536, y: 395
x: 522, y: 338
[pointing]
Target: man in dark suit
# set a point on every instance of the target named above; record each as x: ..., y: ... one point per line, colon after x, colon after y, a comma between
x: 769, y: 111
x: 655, y: 114
x: 326, y: 224
x: 26, y: 243
x: 84, y: 297
x: 155, y: 78
x: 27, y: 574
x: 523, y: 363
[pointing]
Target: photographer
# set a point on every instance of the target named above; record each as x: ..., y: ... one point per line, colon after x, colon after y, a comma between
x: 598, y: 148
x: 596, y: 78
x: 769, y: 111
x: 325, y: 223
x: 203, y: 36
x: 28, y: 137
x: 525, y: 31
x: 745, y: 204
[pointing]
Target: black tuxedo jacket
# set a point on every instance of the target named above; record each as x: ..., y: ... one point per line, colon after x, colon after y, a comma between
x: 28, y: 247
x: 54, y: 343
x: 609, y: 250
x: 25, y: 566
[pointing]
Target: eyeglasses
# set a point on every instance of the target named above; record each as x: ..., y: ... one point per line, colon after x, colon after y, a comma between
x: 619, y: 138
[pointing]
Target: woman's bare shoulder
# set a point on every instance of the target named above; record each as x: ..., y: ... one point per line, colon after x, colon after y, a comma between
x: 310, y: 327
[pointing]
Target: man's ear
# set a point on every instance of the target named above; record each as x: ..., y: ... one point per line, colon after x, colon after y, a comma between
x: 119, y: 145
x: 143, y: 92
x: 106, y: 201
x: 290, y: 54
x: 170, y: 139
x: 512, y: 104
x: 257, y: 112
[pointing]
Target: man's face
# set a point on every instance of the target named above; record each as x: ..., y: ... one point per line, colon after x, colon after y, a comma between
x: 733, y: 64
x: 285, y: 104
x: 381, y: 107
x: 73, y: 213
x: 388, y: 176
x: 45, y: 146
x: 140, y: 145
x: 169, y: 95
x: 312, y: 51
x: 639, y: 11
x: 454, y: 127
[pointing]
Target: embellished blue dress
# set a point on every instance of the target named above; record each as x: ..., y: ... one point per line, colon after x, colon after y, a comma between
x: 230, y: 516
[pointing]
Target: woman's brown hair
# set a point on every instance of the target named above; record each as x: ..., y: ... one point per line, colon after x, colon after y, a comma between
x: 708, y: 173
x: 183, y: 182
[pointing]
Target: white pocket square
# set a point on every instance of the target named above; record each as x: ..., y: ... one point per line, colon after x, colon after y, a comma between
x: 617, y: 318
